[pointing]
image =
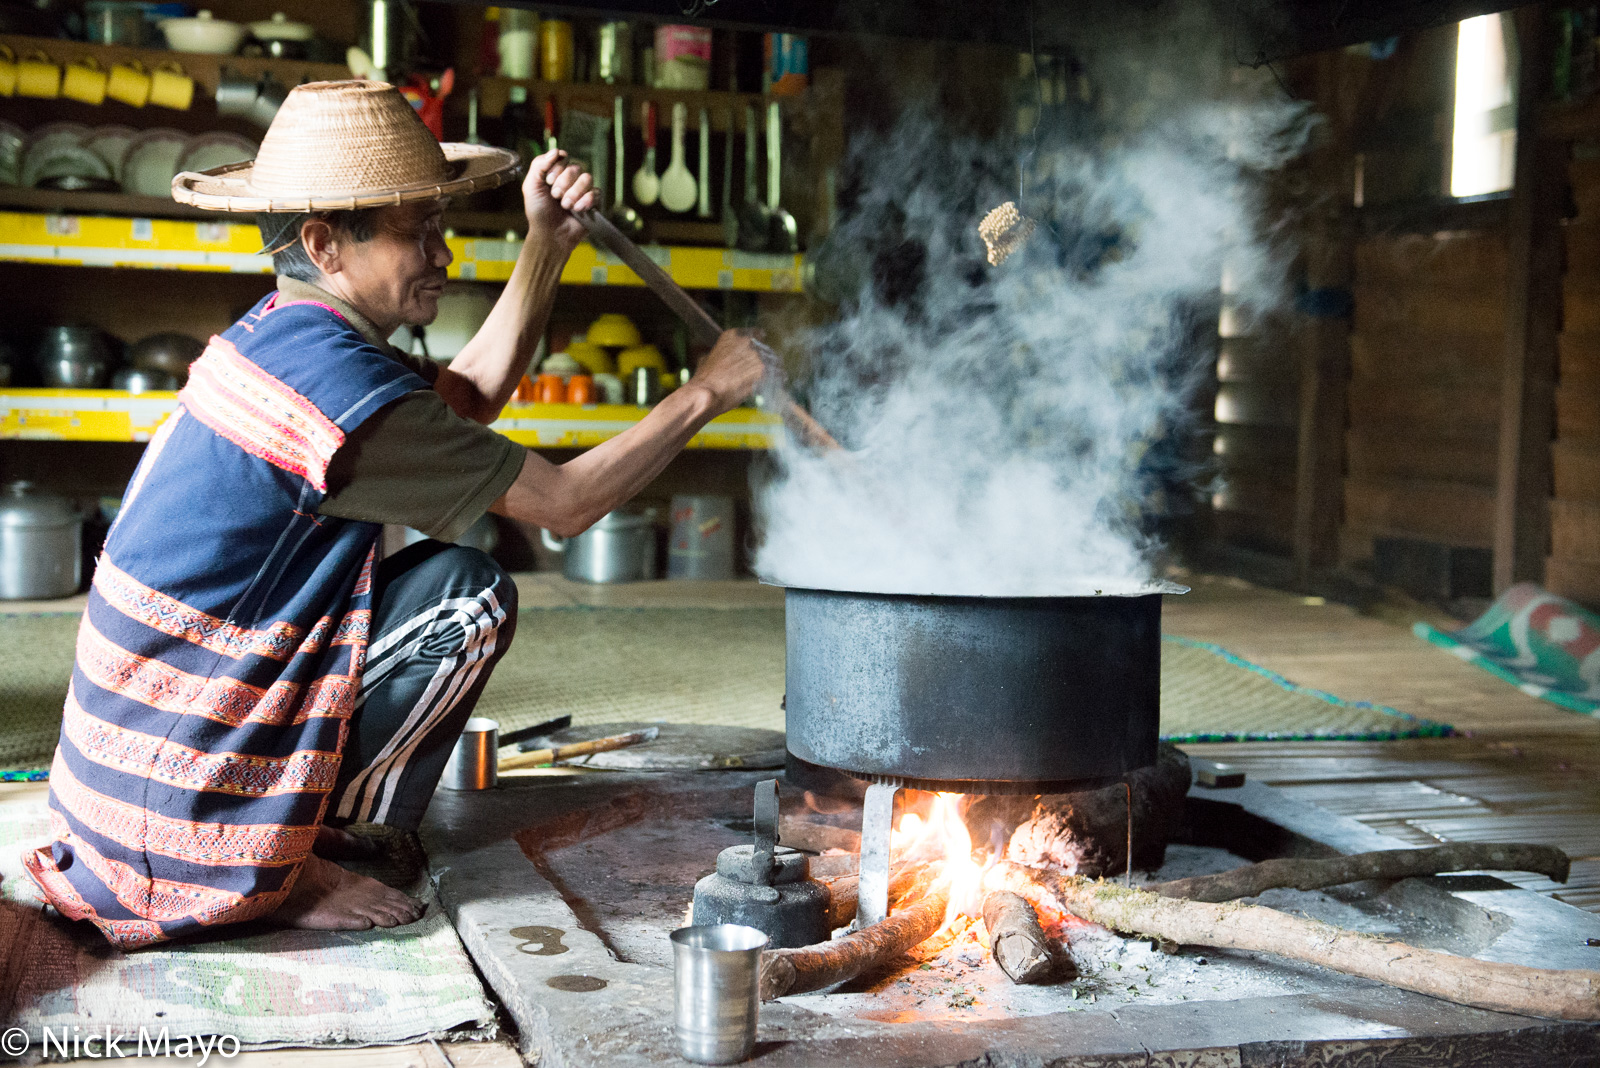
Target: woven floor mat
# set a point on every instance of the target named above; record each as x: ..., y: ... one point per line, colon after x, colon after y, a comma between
x: 715, y: 666
x: 264, y: 986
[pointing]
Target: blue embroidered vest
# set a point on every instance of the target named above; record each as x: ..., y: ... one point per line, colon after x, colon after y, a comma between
x: 218, y: 660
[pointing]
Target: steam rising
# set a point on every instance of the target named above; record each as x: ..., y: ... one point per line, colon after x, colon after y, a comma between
x: 1013, y: 430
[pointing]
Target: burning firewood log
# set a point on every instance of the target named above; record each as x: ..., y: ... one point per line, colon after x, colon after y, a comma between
x: 904, y: 880
x: 1017, y: 941
x: 1087, y: 832
x: 1560, y: 995
x: 797, y: 971
x: 1299, y: 873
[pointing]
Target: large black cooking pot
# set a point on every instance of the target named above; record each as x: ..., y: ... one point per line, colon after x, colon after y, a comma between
x: 974, y: 694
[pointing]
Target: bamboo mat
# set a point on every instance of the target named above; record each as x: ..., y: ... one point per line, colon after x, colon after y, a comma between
x: 713, y: 666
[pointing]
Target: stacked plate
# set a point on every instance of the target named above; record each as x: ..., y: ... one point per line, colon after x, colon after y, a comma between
x: 66, y: 155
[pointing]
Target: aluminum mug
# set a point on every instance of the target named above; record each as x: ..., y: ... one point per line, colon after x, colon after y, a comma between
x: 171, y: 88
x: 129, y: 84
x: 38, y: 77
x: 84, y: 81
x: 474, y: 762
x: 716, y: 991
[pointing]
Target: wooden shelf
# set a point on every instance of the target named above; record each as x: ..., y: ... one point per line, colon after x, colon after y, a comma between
x: 205, y: 69
x: 226, y: 246
x: 114, y: 415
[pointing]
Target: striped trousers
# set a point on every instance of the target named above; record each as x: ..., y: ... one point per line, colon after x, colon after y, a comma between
x: 443, y: 616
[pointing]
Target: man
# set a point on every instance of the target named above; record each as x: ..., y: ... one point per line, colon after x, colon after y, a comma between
x: 249, y: 677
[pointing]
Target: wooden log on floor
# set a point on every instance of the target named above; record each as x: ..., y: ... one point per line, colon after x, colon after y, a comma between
x: 1499, y: 987
x: 1300, y: 873
x: 1017, y: 941
x: 796, y: 971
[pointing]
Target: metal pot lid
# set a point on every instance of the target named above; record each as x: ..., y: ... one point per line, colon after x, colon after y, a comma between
x: 25, y: 506
x: 1081, y: 589
x: 281, y: 28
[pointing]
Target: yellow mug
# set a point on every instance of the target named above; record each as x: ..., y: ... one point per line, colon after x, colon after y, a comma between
x: 8, y: 71
x: 84, y: 81
x: 171, y: 88
x: 129, y: 83
x: 38, y: 77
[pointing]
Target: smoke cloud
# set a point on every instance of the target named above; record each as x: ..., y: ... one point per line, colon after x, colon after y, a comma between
x: 1013, y: 431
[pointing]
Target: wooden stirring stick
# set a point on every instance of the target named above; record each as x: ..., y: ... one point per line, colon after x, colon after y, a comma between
x: 704, y: 329
x: 535, y: 757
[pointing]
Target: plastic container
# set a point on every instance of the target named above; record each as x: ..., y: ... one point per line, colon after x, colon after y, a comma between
x: 518, y: 42
x: 683, y: 57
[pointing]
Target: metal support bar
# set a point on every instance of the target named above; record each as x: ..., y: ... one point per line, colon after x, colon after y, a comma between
x: 766, y: 832
x: 877, y: 824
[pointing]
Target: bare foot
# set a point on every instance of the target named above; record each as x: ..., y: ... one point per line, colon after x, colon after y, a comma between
x: 326, y: 897
x: 337, y: 844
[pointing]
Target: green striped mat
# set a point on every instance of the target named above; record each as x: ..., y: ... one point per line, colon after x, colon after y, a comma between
x: 717, y: 666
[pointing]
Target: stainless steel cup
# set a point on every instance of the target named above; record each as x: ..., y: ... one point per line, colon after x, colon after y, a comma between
x: 716, y: 995
x: 474, y: 762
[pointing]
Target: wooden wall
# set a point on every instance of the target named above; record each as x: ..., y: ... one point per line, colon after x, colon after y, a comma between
x: 1257, y: 411
x: 1424, y: 394
x: 1573, y: 568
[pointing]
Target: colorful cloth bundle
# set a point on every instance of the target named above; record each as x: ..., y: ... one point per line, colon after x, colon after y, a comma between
x: 1544, y: 645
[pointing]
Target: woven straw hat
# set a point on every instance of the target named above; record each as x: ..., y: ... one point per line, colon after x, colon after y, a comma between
x: 338, y: 146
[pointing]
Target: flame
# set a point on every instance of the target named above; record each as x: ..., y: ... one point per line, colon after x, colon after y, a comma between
x: 942, y: 837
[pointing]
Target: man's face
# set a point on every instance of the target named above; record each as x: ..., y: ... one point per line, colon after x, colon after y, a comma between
x: 396, y: 277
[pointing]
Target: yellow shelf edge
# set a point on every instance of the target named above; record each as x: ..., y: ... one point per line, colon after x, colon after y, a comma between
x: 190, y: 245
x: 31, y: 414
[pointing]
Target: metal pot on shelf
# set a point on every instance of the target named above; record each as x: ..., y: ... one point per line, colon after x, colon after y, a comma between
x: 74, y: 357
x: 41, y: 544
x: 620, y: 547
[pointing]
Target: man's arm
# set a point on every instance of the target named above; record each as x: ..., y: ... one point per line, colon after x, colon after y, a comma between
x: 480, y: 380
x: 567, y: 499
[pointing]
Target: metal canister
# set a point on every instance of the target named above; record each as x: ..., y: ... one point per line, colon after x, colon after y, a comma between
x: 614, y: 57
x: 644, y: 386
x: 474, y: 762
x: 701, y: 544
x: 41, y: 544
x: 555, y: 50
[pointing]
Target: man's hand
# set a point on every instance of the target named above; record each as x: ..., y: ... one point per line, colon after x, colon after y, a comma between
x: 552, y: 191
x: 732, y: 370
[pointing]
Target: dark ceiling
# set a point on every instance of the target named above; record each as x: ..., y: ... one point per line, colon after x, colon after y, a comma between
x: 1259, y: 29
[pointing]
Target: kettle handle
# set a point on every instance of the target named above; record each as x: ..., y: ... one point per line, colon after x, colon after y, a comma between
x: 551, y: 542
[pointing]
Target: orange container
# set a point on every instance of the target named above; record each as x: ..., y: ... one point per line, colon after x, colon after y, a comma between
x: 580, y: 390
x: 524, y: 393
x: 549, y: 389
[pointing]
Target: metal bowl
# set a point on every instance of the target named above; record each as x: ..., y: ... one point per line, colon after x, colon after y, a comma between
x: 139, y: 380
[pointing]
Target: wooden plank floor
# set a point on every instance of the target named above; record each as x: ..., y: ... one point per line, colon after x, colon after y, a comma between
x: 1524, y: 771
